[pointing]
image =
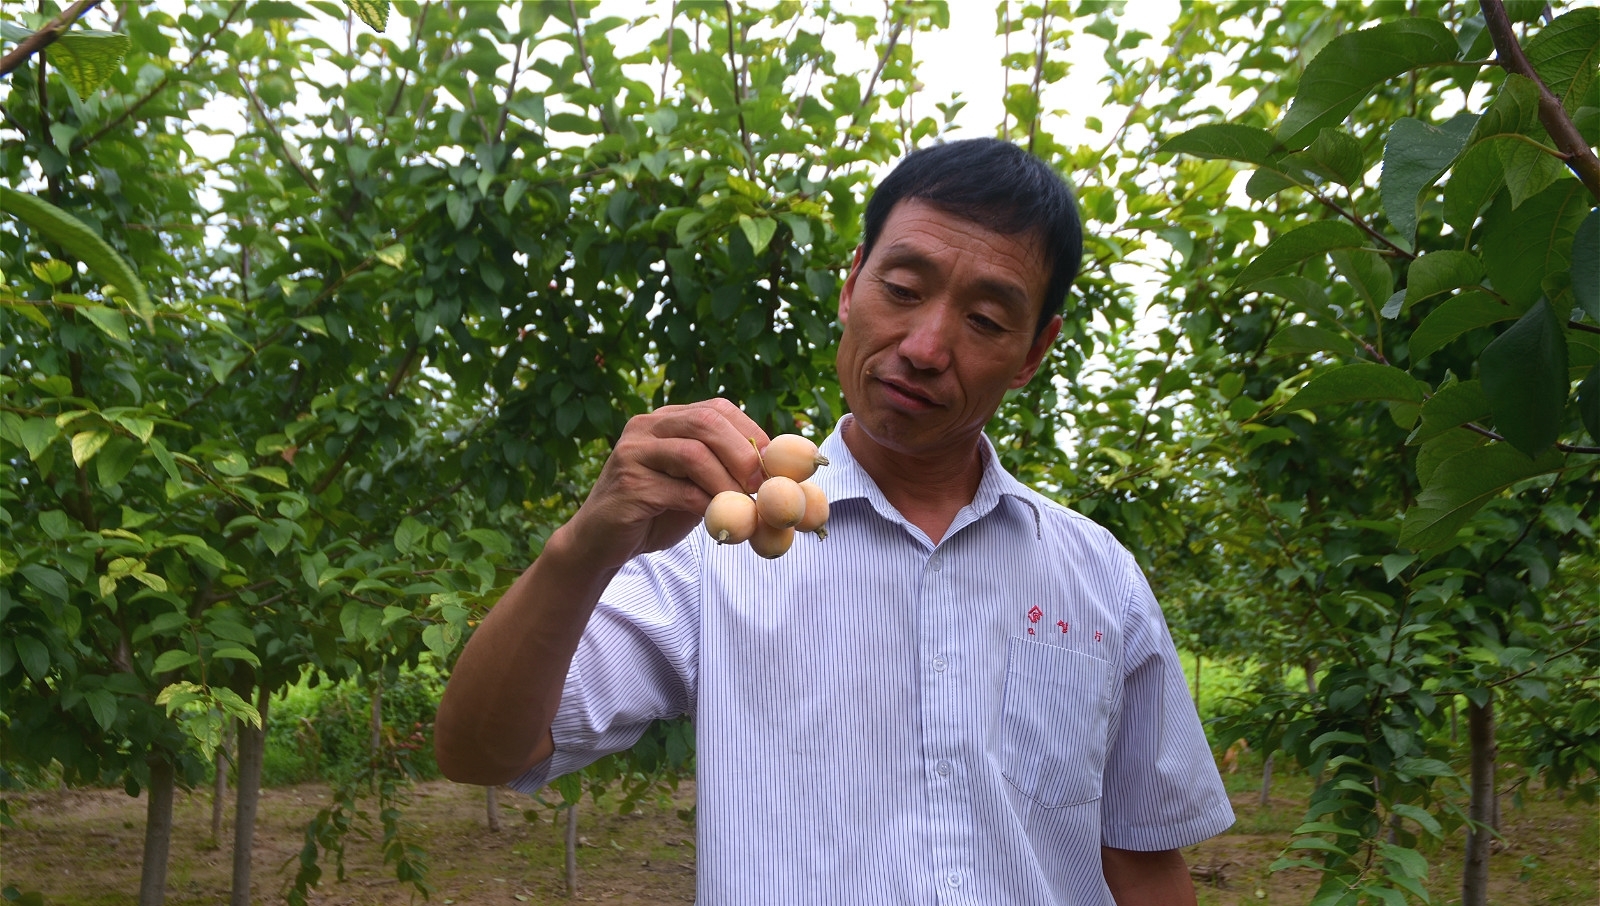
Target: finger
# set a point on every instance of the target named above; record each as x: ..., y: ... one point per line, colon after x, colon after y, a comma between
x: 726, y: 431
x: 692, y: 462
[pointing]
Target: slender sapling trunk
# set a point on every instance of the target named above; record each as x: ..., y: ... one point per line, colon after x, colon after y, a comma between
x: 491, y: 801
x: 252, y: 746
x: 157, y: 832
x: 1480, y: 736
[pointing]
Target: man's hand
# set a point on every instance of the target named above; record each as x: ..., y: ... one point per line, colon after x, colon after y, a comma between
x: 1147, y: 878
x: 661, y: 476
x: 494, y: 720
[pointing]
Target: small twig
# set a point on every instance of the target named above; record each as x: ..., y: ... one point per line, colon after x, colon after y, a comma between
x: 738, y: 95
x: 283, y: 146
x: 1038, y: 74
x: 44, y: 37
x: 1585, y: 327
x: 666, y: 62
x: 511, y: 94
x: 1508, y: 52
x: 583, y: 58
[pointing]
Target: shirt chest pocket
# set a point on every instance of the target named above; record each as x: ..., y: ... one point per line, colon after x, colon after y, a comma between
x: 1053, y: 746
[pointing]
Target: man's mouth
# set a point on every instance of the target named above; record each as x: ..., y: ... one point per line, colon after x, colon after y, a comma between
x: 906, y: 395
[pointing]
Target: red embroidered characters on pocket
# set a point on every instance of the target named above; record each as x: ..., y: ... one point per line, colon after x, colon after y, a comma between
x: 1034, y: 614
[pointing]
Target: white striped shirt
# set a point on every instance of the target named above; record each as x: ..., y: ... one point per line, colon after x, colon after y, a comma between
x: 883, y: 720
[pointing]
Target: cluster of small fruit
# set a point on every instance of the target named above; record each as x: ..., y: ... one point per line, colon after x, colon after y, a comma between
x: 785, y: 503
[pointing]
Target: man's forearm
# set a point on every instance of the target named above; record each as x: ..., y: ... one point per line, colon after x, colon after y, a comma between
x: 1147, y: 878
x: 494, y: 720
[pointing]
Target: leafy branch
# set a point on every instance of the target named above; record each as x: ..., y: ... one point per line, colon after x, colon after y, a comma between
x: 158, y: 87
x: 46, y: 36
x: 1575, y: 149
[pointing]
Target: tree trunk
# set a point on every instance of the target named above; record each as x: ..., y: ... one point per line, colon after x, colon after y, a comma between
x: 157, y: 832
x: 1197, y: 663
x: 1266, y: 778
x: 252, y: 745
x: 1480, y: 736
x: 572, y: 850
x: 375, y: 744
x: 491, y: 795
x: 219, y: 784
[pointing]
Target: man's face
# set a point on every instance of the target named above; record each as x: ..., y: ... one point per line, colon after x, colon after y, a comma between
x: 938, y: 324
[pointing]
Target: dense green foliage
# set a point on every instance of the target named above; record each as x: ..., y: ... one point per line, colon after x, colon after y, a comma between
x: 302, y: 403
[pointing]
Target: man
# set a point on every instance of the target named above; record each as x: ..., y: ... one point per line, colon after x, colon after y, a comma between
x: 966, y: 694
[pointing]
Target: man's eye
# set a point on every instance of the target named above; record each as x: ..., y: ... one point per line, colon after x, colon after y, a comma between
x: 986, y: 325
x: 899, y: 292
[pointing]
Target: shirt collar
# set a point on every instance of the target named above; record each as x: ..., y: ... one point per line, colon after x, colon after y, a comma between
x: 844, y: 478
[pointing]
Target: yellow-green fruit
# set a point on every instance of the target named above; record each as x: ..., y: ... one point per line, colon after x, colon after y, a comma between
x: 816, y: 517
x: 780, y: 502
x: 771, y: 542
x: 731, y: 518
x: 792, y: 456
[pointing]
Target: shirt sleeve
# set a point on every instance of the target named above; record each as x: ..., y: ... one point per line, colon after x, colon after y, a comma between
x: 1161, y: 787
x: 635, y: 663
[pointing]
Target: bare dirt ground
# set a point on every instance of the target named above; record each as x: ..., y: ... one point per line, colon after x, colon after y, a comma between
x: 83, y: 848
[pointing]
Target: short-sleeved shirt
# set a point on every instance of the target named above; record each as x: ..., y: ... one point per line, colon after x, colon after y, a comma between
x: 884, y: 720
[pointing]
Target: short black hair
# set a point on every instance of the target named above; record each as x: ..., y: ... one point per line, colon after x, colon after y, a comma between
x: 996, y: 185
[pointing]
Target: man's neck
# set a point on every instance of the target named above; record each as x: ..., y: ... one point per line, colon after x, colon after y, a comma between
x: 929, y: 492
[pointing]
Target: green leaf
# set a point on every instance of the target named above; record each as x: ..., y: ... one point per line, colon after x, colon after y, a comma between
x: 1305, y: 338
x: 1586, y: 265
x: 1227, y: 142
x: 175, y: 659
x: 1339, y: 155
x: 1524, y: 377
x: 46, y: 580
x: 81, y: 242
x: 1441, y: 271
x: 373, y: 12
x: 1357, y: 382
x: 1589, y: 403
x: 115, y: 461
x: 1466, y: 312
x: 85, y: 444
x: 758, y: 231
x: 103, y: 706
x: 1462, y: 484
x: 87, y: 58
x: 409, y: 535
x: 1523, y: 245
x: 1414, y: 155
x: 392, y: 255
x: 109, y: 320
x: 234, y: 652
x: 1451, y: 407
x: 1351, y: 65
x: 36, y: 435
x: 1296, y: 246
x: 1511, y: 126
x: 1368, y: 272
x: 1474, y: 181
x: 1395, y: 564
x: 34, y: 654
x: 1419, y: 815
x: 1566, y: 54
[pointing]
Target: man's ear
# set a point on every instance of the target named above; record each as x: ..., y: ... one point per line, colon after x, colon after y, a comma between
x: 1036, y: 352
x: 849, y: 287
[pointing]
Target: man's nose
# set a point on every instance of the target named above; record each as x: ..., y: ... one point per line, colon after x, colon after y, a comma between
x: 927, y: 343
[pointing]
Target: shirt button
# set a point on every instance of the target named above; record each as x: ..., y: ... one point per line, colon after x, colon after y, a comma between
x: 937, y: 563
x: 939, y: 663
x: 943, y: 768
x: 954, y: 879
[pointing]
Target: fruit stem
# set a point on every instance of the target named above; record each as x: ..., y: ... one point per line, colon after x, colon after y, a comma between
x: 759, y: 458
